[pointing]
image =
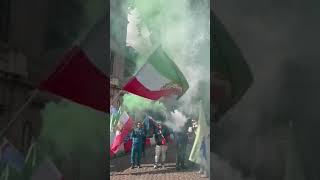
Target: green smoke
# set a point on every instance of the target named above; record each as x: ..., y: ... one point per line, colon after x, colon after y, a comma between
x: 136, y: 103
x: 69, y: 127
x: 183, y: 30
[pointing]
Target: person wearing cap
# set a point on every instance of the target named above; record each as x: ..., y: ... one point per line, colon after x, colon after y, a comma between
x: 160, y: 135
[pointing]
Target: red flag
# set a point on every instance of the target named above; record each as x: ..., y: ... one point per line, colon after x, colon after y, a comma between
x: 148, y: 142
x: 127, y: 146
x: 125, y: 125
x: 82, y: 76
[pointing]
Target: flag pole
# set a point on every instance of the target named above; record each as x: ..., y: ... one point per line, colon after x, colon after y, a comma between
x: 17, y: 114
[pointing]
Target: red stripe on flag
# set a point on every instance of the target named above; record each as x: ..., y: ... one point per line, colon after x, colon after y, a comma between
x: 127, y: 146
x: 77, y: 79
x: 148, y: 142
x: 118, y: 140
x: 135, y: 87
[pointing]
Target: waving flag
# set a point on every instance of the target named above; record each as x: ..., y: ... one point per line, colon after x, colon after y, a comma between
x: 127, y: 144
x: 201, y: 132
x: 146, y: 123
x: 159, y: 77
x: 231, y: 74
x: 150, y: 125
x: 124, y: 127
x: 82, y: 74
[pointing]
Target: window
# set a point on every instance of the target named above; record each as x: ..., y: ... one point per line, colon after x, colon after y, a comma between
x: 4, y: 19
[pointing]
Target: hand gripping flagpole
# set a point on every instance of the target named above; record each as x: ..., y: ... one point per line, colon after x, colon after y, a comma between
x: 18, y: 113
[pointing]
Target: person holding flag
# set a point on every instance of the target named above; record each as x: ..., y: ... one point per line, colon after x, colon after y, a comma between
x: 124, y: 127
x: 136, y: 135
x: 199, y: 150
x: 160, y: 136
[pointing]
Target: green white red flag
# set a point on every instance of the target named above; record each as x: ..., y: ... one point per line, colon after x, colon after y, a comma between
x: 82, y: 76
x: 124, y: 127
x: 159, y: 77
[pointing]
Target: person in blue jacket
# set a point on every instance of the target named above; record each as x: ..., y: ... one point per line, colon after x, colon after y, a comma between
x: 136, y: 136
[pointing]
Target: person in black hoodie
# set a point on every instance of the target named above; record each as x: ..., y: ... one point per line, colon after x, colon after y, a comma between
x: 160, y: 135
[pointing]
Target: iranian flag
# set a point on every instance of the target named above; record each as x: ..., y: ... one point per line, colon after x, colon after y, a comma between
x: 159, y: 77
x: 82, y: 74
x: 124, y: 127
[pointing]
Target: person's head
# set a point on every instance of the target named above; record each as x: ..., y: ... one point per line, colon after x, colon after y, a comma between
x: 139, y: 125
x: 159, y: 126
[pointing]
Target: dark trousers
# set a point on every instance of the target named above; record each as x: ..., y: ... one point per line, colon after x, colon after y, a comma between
x: 181, y: 154
x: 136, y: 150
x: 143, y: 145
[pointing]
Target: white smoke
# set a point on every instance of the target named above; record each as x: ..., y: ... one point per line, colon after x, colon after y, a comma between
x: 176, y: 120
x: 186, y: 41
x: 139, y: 39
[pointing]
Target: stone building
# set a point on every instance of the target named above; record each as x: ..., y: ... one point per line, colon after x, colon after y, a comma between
x: 121, y: 56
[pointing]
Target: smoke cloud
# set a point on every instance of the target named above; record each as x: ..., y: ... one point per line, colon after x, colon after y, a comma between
x: 138, y: 106
x: 176, y: 120
x: 182, y: 28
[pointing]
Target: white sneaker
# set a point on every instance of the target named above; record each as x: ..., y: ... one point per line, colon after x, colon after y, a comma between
x: 155, y: 166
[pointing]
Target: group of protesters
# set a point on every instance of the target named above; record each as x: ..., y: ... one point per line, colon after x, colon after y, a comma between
x: 161, y: 134
x: 138, y: 136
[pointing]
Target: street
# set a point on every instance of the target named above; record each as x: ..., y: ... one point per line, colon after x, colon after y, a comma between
x: 120, y: 168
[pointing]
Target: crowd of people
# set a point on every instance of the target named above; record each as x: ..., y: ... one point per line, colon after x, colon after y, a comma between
x: 161, y: 133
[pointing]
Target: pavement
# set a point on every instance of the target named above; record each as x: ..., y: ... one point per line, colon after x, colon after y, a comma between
x: 120, y: 168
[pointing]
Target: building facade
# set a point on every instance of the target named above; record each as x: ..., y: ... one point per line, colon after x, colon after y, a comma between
x: 21, y: 66
x: 121, y: 56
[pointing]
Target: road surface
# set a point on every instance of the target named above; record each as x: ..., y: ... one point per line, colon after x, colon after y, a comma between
x: 120, y: 168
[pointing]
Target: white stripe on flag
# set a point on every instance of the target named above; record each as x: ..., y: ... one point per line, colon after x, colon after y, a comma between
x: 124, y: 118
x: 151, y: 78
